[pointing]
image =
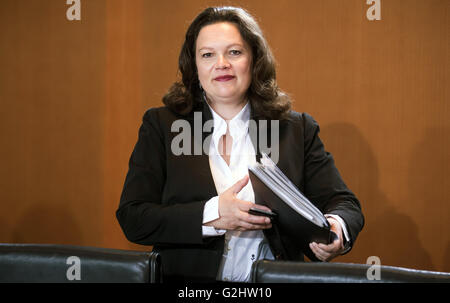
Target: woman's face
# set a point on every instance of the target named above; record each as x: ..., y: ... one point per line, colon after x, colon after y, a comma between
x: 223, y: 61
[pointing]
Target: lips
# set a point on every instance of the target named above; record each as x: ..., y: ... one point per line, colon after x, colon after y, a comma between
x: 224, y: 78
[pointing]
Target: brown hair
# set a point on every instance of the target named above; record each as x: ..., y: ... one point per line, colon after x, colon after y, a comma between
x: 266, y: 99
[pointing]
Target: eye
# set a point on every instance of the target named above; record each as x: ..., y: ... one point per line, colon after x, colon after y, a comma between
x: 207, y: 55
x: 235, y: 52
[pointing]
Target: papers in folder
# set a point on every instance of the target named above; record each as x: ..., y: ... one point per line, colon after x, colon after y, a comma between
x: 281, y: 186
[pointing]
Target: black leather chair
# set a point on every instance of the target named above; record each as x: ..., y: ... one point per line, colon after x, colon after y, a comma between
x: 265, y: 271
x: 52, y: 263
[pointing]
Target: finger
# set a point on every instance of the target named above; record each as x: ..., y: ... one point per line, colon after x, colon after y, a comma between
x: 330, y: 248
x: 316, y: 252
x: 334, y: 246
x: 255, y: 219
x: 252, y: 222
x: 320, y: 254
x: 246, y: 205
x: 239, y: 185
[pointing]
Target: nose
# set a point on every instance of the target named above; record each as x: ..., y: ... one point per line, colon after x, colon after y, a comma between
x: 222, y: 62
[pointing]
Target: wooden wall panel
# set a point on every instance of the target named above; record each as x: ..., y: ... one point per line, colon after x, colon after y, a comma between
x: 122, y: 107
x: 73, y: 94
x: 51, y: 79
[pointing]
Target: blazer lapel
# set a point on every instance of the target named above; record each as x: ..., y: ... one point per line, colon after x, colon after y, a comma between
x: 202, y: 160
x: 259, y: 128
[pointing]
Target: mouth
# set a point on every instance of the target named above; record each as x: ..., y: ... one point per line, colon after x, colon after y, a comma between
x: 224, y: 78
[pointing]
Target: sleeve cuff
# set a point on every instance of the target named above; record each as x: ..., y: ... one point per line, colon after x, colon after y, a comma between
x: 211, y: 213
x: 344, y: 231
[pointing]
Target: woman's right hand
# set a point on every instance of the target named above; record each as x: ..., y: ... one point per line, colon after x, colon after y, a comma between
x: 233, y: 212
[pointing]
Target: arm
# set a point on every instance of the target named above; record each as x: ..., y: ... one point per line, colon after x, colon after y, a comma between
x: 142, y: 215
x: 325, y: 187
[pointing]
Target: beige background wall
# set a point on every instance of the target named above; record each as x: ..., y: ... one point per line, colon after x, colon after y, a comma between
x: 72, y: 95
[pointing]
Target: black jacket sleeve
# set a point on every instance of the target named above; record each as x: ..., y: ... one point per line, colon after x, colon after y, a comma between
x: 324, y: 184
x: 142, y: 214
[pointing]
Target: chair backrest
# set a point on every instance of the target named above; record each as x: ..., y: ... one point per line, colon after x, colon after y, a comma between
x: 65, y: 263
x: 265, y: 271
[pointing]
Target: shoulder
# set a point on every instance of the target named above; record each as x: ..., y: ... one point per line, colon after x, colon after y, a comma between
x: 161, y: 117
x: 301, y: 125
x: 158, y: 120
x: 303, y: 120
x: 161, y: 113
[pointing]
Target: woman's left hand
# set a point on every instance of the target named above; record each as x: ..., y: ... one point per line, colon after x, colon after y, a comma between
x: 327, y: 252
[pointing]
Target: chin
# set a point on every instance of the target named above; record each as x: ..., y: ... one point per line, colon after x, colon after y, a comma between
x: 227, y: 94
x: 227, y: 98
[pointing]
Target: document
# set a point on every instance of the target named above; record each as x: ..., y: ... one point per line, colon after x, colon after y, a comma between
x: 298, y: 222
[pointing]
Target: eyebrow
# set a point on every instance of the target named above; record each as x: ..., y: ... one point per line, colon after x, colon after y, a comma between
x: 211, y: 48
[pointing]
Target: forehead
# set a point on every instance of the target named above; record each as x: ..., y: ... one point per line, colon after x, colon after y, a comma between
x: 219, y: 34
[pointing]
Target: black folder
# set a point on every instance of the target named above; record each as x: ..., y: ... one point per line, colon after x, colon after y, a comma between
x: 297, y: 223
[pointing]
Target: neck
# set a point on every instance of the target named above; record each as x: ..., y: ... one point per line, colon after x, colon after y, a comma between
x: 227, y: 110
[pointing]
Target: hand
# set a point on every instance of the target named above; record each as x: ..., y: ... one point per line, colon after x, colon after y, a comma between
x: 233, y: 212
x: 327, y: 252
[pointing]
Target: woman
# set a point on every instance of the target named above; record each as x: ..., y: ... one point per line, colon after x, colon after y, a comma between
x: 193, y: 207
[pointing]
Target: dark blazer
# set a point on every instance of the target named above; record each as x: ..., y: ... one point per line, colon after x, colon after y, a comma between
x: 164, y: 195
